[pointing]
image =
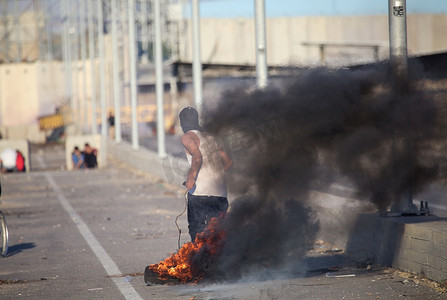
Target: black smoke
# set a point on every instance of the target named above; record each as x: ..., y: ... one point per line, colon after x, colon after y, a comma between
x: 323, y: 125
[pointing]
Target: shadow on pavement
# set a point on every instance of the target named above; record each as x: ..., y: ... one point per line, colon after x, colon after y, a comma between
x: 16, y: 249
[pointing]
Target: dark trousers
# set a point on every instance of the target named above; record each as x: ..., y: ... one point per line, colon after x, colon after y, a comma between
x: 201, y: 209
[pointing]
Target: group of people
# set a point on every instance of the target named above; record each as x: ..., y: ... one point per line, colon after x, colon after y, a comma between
x: 84, y: 159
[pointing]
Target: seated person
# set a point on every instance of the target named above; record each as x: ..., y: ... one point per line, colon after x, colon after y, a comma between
x: 20, y: 162
x: 8, y: 160
x: 77, y: 158
x: 90, y: 156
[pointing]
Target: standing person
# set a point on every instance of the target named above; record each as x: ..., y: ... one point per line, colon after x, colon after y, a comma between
x: 90, y: 156
x: 207, y: 196
x: 111, y: 121
x: 77, y: 158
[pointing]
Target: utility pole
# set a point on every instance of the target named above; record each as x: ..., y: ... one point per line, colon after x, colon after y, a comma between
x: 261, y: 55
x: 197, y: 63
x: 398, y: 37
x: 397, y: 15
x: 133, y: 73
x: 116, y: 82
x: 17, y: 30
x: 91, y: 49
x: 159, y: 81
x: 66, y: 52
x: 144, y: 31
x: 74, y: 57
x: 102, y: 86
x: 50, y: 50
x: 83, y: 58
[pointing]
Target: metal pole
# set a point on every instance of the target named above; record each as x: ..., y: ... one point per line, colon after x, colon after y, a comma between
x: 69, y: 58
x: 64, y: 45
x: 91, y: 50
x: 66, y: 52
x: 40, y: 22
x: 159, y: 81
x: 261, y: 57
x: 75, y: 61
x: 102, y: 86
x: 397, y: 15
x: 133, y: 73
x: 83, y: 57
x: 17, y: 31
x: 197, y: 64
x: 144, y: 33
x: 48, y: 21
x: 398, y: 37
x: 116, y: 83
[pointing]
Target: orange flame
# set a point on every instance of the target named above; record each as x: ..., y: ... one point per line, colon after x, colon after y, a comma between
x: 180, y: 264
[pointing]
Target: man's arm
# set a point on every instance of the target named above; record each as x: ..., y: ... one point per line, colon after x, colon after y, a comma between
x: 190, y: 141
x: 227, y: 161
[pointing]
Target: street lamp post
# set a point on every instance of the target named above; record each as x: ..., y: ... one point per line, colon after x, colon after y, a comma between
x: 159, y: 81
x: 261, y: 54
x: 197, y: 63
x: 133, y: 72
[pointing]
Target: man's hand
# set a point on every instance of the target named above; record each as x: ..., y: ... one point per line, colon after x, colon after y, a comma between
x: 190, y: 184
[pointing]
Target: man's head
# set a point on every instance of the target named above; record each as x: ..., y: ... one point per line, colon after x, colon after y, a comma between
x: 87, y: 148
x: 189, y: 119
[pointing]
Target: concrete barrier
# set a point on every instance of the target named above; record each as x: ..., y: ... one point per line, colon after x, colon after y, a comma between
x: 79, y: 140
x: 414, y: 244
x: 171, y: 169
x: 21, y: 145
x: 32, y: 133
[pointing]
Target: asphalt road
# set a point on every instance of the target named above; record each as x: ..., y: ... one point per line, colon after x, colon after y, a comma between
x: 90, y: 234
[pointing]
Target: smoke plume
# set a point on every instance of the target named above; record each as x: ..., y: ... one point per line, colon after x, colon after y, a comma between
x: 322, y: 125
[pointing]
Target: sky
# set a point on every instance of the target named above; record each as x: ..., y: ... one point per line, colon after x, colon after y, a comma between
x: 280, y: 8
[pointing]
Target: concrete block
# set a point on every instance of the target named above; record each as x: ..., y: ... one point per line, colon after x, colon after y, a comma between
x: 405, y: 243
x: 439, y: 250
x: 418, y: 231
x: 409, y: 265
x: 19, y: 144
x: 439, y: 262
x: 35, y: 135
x: 415, y: 244
x: 95, y: 142
x: 170, y: 169
x: 437, y: 275
x: 412, y: 255
x: 440, y: 237
x: 16, y: 132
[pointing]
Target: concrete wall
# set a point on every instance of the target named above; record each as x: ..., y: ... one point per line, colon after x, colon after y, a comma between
x: 232, y: 41
x: 28, y: 91
x: 21, y: 145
